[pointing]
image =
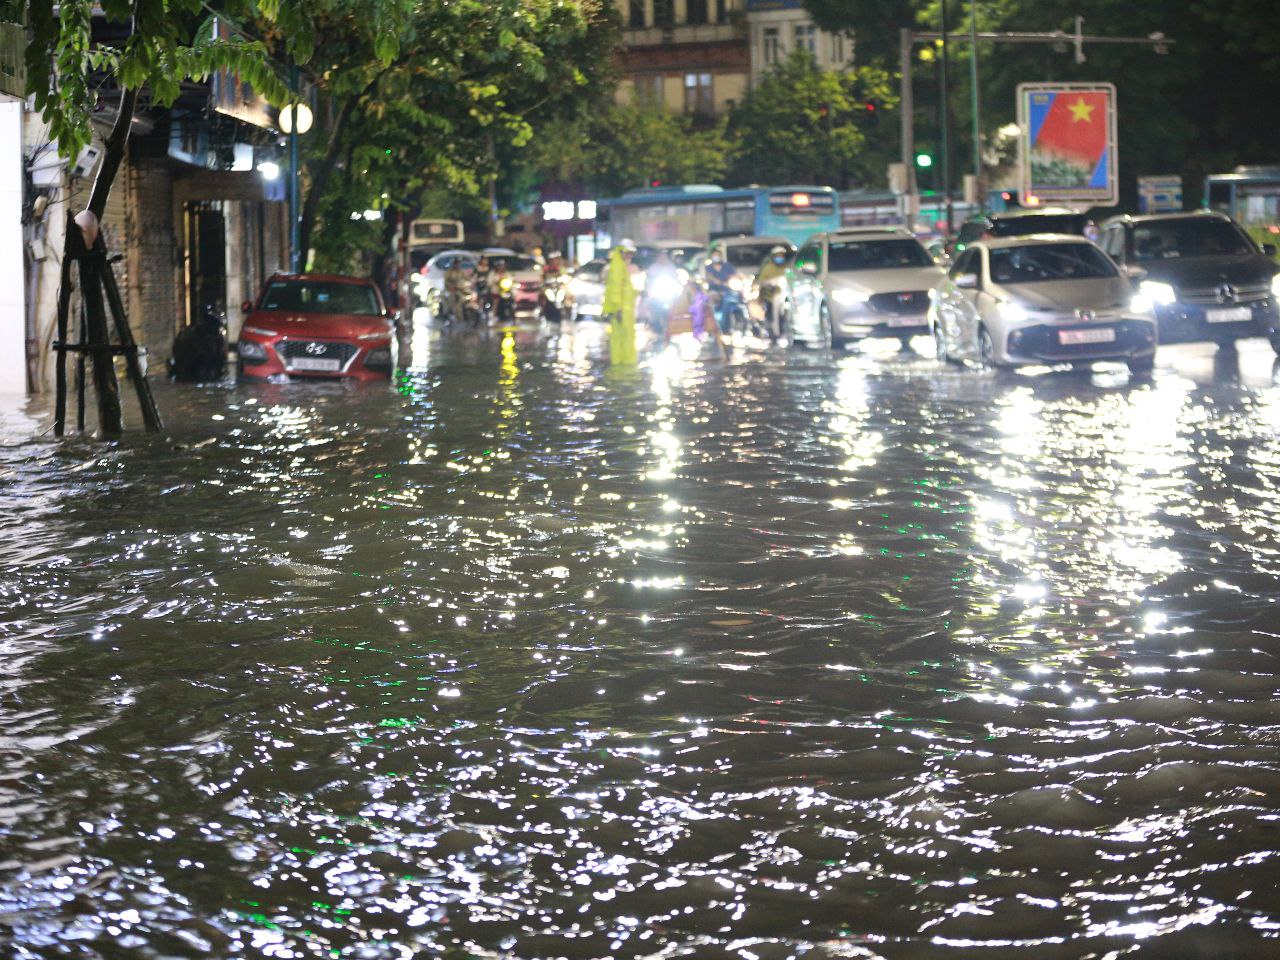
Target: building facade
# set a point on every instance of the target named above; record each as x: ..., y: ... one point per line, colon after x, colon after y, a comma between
x: 775, y: 28
x: 685, y: 55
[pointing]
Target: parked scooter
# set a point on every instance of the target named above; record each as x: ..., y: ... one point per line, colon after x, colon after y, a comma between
x: 200, y: 350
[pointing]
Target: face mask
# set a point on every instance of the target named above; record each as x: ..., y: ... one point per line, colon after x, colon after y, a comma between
x: 779, y: 260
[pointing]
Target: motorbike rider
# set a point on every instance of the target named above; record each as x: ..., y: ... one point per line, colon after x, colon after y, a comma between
x: 504, y: 301
x: 720, y: 274
x: 770, y: 282
x: 456, y: 280
x: 553, y: 272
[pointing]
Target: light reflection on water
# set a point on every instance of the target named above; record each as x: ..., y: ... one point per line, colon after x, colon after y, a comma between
x: 793, y: 655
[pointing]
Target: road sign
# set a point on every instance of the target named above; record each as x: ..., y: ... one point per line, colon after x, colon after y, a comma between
x: 1067, y: 147
x: 1159, y: 194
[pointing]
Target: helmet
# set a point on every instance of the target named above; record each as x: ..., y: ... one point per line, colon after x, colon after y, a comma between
x: 627, y: 245
x: 778, y: 250
x: 554, y: 255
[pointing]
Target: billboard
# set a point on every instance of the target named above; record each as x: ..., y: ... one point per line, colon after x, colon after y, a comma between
x: 1159, y: 194
x: 1067, y: 146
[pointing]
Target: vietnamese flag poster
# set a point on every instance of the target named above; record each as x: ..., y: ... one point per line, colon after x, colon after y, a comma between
x: 1069, y: 141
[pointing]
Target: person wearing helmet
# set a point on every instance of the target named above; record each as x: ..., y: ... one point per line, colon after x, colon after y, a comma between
x: 551, y: 299
x: 620, y: 304
x: 771, y: 285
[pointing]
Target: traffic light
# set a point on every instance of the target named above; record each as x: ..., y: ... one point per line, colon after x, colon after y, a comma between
x: 924, y: 160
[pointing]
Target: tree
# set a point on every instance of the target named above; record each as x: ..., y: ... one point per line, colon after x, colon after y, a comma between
x: 613, y: 148
x: 802, y: 124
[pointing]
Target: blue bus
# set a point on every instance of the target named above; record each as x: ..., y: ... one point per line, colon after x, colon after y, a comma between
x: 703, y: 212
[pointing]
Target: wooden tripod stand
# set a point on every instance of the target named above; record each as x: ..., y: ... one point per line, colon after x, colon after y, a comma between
x: 96, y: 280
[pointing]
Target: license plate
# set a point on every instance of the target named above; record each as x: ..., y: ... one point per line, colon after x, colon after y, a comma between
x: 1095, y: 335
x: 318, y: 364
x: 906, y: 322
x: 1229, y: 315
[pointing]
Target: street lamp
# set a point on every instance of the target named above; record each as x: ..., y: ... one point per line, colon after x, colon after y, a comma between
x: 304, y: 118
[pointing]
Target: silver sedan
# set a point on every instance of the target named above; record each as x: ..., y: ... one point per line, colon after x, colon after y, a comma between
x: 1049, y: 298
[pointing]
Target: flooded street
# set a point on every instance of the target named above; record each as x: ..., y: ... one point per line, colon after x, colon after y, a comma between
x: 800, y: 654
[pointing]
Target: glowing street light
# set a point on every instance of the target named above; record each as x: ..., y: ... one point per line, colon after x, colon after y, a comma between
x: 304, y: 118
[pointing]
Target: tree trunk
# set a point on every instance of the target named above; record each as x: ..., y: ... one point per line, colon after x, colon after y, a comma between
x: 114, y: 154
x: 320, y: 179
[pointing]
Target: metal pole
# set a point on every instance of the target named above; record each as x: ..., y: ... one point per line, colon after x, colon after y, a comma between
x: 977, y: 102
x: 295, y: 224
x: 906, y: 106
x: 944, y: 109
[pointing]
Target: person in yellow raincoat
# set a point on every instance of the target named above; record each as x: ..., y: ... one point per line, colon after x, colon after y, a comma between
x: 620, y: 304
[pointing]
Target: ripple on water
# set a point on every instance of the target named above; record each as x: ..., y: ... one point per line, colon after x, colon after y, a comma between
x: 794, y: 655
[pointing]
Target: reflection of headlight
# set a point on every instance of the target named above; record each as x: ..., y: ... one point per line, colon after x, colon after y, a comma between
x: 665, y: 289
x: 1275, y: 285
x: 1012, y: 312
x: 380, y: 335
x: 849, y: 298
x: 1156, y: 292
x: 259, y: 331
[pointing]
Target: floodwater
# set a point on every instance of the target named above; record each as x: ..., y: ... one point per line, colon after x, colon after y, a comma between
x: 792, y: 655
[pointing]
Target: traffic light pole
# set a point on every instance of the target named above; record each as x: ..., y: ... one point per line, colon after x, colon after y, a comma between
x: 908, y: 38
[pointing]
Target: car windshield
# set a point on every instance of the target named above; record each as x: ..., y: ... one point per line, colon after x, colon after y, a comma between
x: 1039, y: 223
x: 514, y: 264
x: 877, y: 255
x: 1050, y: 261
x: 1173, y: 239
x: 748, y: 256
x: 319, y: 296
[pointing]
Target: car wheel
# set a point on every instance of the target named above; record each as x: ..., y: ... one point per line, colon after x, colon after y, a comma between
x: 940, y: 345
x: 986, y: 348
x: 1142, y: 366
x: 823, y: 338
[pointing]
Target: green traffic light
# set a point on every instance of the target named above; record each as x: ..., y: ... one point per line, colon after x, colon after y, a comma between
x: 924, y: 160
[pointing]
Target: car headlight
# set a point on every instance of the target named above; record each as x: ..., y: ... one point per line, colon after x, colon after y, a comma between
x: 665, y: 289
x: 258, y: 331
x: 849, y: 298
x: 1141, y: 303
x: 1157, y: 292
x: 252, y: 352
x: 1275, y: 285
x: 1012, y: 312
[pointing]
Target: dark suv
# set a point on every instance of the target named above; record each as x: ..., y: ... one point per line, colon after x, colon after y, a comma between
x: 1021, y: 223
x: 1205, y: 276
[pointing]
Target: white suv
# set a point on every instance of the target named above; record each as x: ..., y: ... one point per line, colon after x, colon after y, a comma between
x: 857, y: 284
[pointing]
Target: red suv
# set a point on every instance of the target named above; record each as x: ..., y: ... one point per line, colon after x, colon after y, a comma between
x: 318, y: 325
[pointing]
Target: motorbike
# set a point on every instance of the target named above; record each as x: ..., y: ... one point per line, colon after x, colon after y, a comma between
x: 766, y: 308
x: 660, y: 293
x: 502, y: 299
x: 200, y: 350
x: 464, y: 305
x: 553, y: 299
x: 731, y: 306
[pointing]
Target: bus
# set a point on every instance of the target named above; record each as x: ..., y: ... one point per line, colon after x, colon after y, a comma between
x: 703, y: 212
x: 1251, y: 197
x: 428, y: 237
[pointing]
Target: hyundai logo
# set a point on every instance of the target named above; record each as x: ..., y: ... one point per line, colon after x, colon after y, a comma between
x: 317, y: 349
x: 1085, y: 316
x: 1226, y: 293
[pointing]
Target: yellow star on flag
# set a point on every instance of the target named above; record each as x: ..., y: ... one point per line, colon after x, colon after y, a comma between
x: 1081, y: 111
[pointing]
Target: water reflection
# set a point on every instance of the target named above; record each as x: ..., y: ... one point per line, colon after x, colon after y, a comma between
x: 785, y: 654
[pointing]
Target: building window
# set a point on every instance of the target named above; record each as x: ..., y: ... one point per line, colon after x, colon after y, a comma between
x: 840, y: 49
x: 806, y: 35
x: 648, y: 88
x: 770, y: 46
x: 698, y: 97
x: 664, y: 13
x: 635, y: 15
x: 722, y: 11
x: 696, y: 11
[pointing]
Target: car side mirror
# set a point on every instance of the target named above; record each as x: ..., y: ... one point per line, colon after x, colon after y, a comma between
x: 1133, y: 271
x: 246, y: 307
x: 967, y: 281
x: 1269, y: 249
